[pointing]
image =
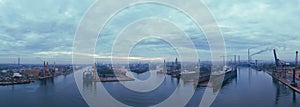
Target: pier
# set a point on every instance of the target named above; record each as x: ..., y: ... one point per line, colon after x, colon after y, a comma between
x: 285, y: 73
x: 287, y: 82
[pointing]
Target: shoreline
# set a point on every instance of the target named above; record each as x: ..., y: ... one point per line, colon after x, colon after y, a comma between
x: 15, y: 83
x: 285, y: 82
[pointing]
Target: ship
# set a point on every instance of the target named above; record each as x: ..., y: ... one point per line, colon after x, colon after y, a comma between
x: 139, y: 68
x: 173, y: 69
x: 228, y: 72
x: 225, y: 70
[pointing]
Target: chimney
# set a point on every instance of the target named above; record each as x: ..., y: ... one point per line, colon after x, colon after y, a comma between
x: 47, y: 66
x: 95, y: 73
x: 18, y: 64
x: 44, y: 71
x: 256, y: 62
x: 249, y: 56
x: 296, y: 61
x: 234, y: 59
x: 54, y: 67
x: 239, y: 59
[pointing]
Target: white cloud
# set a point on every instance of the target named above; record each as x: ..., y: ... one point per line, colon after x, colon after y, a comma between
x: 33, y: 26
x: 52, y: 54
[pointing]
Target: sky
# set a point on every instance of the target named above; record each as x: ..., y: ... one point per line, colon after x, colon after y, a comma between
x: 38, y: 30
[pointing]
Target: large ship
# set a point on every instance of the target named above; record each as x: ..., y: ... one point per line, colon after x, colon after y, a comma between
x: 226, y: 69
x: 139, y: 68
x: 227, y: 72
x: 173, y: 69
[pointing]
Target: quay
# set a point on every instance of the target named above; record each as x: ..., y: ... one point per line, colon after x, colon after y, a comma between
x: 105, y: 73
x: 15, y: 83
x: 286, y: 81
x: 205, y: 80
x: 115, y: 79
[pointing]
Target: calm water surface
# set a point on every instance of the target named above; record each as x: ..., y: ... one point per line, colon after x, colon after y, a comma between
x: 249, y: 88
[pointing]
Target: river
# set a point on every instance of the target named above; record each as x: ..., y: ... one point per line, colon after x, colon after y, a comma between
x: 250, y: 88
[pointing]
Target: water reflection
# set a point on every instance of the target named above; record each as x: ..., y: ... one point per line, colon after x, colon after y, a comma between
x: 282, y: 90
x: 294, y: 97
x: 47, y: 81
x: 134, y: 98
x: 247, y: 88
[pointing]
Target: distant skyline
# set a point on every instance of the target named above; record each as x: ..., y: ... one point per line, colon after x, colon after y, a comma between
x: 37, y: 30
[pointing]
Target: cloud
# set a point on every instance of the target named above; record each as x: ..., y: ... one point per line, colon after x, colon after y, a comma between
x: 255, y: 23
x: 52, y: 54
x: 34, y: 26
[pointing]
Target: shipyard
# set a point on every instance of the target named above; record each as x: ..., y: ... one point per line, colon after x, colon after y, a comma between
x: 141, y: 53
x: 198, y: 74
x: 14, y: 74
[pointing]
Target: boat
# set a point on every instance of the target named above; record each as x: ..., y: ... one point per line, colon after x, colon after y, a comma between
x: 16, y: 82
x: 189, y: 75
x: 174, y: 74
x: 185, y: 72
x: 226, y: 70
x: 139, y: 68
x: 161, y: 72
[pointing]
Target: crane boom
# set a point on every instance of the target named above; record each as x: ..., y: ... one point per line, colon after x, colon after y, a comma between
x: 276, y: 59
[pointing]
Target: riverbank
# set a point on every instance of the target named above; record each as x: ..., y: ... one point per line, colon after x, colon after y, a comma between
x: 205, y: 81
x: 115, y: 79
x: 15, y: 82
x: 286, y: 81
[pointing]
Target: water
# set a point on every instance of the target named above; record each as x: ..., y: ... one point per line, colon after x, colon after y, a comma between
x: 249, y: 88
x: 60, y: 91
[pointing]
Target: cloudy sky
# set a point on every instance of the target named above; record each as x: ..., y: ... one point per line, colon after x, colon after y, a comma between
x: 38, y: 30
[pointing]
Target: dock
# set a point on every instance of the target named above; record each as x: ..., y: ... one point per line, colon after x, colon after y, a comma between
x: 115, y: 79
x: 285, y: 73
x: 15, y: 82
x: 287, y: 82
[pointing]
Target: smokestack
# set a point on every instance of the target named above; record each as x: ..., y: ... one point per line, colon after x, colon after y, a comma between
x: 96, y: 78
x: 18, y: 64
x: 296, y: 61
x: 224, y: 62
x: 239, y: 59
x: 234, y: 59
x: 54, y: 67
x: 44, y: 71
x: 293, y: 83
x: 249, y: 55
x: 256, y: 62
x: 47, y: 67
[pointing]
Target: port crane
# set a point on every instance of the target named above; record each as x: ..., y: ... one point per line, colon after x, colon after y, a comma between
x: 280, y: 64
x: 282, y: 67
